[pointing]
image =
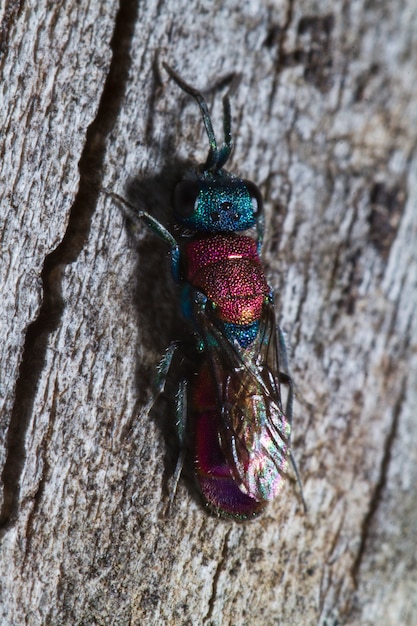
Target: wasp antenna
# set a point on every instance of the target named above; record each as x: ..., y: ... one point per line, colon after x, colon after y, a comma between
x: 216, y: 157
x: 224, y: 153
x: 227, y: 121
x: 201, y: 103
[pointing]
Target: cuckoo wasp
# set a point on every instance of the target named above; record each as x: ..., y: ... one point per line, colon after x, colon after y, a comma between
x: 230, y: 409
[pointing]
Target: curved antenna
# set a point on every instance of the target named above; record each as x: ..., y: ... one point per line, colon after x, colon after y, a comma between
x: 217, y: 157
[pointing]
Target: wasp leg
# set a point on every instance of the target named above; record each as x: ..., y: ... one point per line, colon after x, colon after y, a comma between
x: 285, y: 379
x: 298, y: 479
x: 180, y: 414
x: 181, y: 424
x: 282, y: 352
x: 164, y: 367
x: 161, y: 377
x: 283, y: 361
x: 156, y: 227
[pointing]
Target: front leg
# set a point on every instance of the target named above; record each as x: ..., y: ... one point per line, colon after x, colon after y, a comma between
x: 156, y: 227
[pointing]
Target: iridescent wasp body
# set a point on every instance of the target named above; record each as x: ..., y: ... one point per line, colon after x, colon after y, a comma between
x: 231, y: 407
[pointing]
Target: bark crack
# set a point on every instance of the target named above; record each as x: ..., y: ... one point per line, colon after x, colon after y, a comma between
x: 280, y: 52
x: 46, y: 472
x: 219, y: 569
x: 11, y: 12
x: 52, y: 307
x: 380, y: 486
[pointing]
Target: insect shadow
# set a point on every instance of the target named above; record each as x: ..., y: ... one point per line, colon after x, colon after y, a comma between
x: 156, y: 298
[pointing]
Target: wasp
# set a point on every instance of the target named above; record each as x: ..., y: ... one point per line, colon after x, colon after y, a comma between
x: 230, y: 410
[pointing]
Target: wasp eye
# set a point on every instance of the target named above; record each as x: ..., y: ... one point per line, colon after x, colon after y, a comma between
x: 185, y: 197
x: 255, y: 196
x: 215, y: 216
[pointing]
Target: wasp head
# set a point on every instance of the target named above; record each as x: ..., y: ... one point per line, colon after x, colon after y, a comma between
x: 217, y: 203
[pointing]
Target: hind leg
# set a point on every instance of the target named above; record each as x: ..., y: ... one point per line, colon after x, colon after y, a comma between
x: 285, y: 379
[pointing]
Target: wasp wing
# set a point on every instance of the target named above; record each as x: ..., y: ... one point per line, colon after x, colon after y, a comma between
x: 254, y: 433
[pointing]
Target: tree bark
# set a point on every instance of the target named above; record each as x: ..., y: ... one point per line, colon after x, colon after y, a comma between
x: 324, y: 120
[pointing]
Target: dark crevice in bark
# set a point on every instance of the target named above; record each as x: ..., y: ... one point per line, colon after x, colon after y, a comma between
x: 46, y: 472
x: 12, y: 11
x: 380, y: 486
x: 216, y: 576
x: 67, y: 252
x: 281, y: 36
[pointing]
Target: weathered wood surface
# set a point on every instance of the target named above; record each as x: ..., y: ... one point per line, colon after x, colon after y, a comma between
x: 325, y: 120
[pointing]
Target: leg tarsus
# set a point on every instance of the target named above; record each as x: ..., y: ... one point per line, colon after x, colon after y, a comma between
x: 282, y: 351
x: 285, y: 379
x: 298, y: 479
x: 181, y: 423
x: 164, y: 367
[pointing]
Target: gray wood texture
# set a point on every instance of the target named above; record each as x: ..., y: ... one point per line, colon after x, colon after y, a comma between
x: 325, y: 121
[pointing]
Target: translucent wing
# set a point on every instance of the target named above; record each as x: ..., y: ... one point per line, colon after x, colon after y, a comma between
x: 254, y: 433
